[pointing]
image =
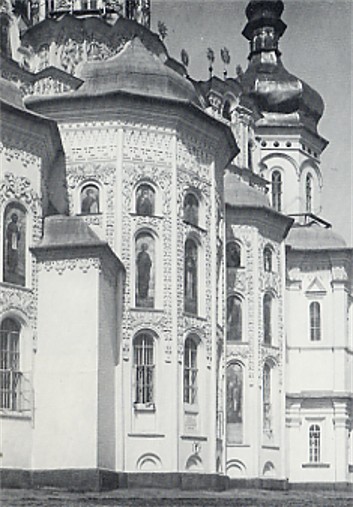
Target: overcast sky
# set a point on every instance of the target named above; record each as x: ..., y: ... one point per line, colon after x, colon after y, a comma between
x: 317, y: 47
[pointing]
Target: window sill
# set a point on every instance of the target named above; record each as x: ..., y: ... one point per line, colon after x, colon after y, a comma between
x: 316, y: 465
x: 12, y: 414
x: 144, y: 407
x: 146, y: 309
x: 194, y: 316
x: 197, y: 227
x: 10, y: 285
x: 133, y: 214
x: 191, y: 409
x: 89, y: 214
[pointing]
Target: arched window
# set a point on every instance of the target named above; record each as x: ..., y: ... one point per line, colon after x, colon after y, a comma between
x: 314, y: 443
x: 14, y: 244
x: 266, y: 399
x: 190, y: 276
x: 226, y: 111
x: 234, y: 319
x: 315, y: 321
x: 190, y: 371
x: 191, y: 209
x: 268, y: 259
x: 267, y: 318
x: 234, y: 408
x: 145, y: 200
x: 145, y: 270
x: 144, y: 368
x: 276, y: 184
x: 233, y: 254
x: 90, y: 199
x: 308, y: 193
x: 10, y: 376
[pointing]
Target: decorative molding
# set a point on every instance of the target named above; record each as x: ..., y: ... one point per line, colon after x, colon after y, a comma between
x: 62, y: 265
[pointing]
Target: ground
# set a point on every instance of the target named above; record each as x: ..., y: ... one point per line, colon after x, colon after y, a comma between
x: 174, y: 498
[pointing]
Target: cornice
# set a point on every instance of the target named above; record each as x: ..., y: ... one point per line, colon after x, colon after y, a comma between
x: 264, y: 218
x: 127, y: 107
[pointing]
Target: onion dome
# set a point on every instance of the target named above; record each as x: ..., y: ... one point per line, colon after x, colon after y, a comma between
x: 238, y: 193
x: 266, y: 79
x: 314, y: 236
x: 138, y: 71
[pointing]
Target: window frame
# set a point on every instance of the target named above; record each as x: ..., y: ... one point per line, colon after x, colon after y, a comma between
x: 190, y: 372
x: 315, y: 445
x: 277, y: 190
x: 10, y: 366
x: 144, y: 370
x: 315, y: 327
x: 196, y: 309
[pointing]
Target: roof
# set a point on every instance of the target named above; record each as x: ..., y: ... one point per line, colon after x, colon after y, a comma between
x: 10, y: 94
x: 135, y: 70
x: 314, y: 236
x: 67, y: 231
x: 238, y: 193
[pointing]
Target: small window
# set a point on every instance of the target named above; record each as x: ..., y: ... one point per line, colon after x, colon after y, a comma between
x: 10, y: 375
x: 190, y: 276
x: 145, y: 200
x: 314, y: 443
x: 234, y: 319
x: 190, y: 371
x: 233, y: 254
x: 268, y: 259
x: 89, y: 199
x: 267, y: 318
x: 276, y: 184
x: 308, y: 193
x: 144, y: 368
x: 315, y: 321
x: 14, y: 244
x: 191, y: 209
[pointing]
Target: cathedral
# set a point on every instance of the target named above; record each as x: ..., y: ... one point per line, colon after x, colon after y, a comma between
x: 174, y: 312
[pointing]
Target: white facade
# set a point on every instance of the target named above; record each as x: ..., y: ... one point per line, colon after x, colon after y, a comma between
x: 182, y: 311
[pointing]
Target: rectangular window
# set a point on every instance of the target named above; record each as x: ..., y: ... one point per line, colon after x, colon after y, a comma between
x: 10, y: 376
x: 190, y: 372
x: 315, y: 321
x: 144, y: 367
x: 314, y: 443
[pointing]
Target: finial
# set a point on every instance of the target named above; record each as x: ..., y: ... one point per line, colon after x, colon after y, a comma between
x: 264, y: 26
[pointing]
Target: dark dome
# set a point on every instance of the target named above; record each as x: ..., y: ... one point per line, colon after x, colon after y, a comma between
x: 277, y: 91
x: 314, y: 237
x: 238, y: 193
x: 135, y: 70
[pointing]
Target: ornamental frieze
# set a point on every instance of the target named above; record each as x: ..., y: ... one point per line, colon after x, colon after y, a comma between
x: 148, y: 145
x: 20, y: 188
x: 14, y: 153
x: 12, y: 298
x: 89, y: 141
x: 62, y: 265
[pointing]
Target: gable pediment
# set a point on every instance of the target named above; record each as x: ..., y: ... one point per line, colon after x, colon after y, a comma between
x: 316, y: 287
